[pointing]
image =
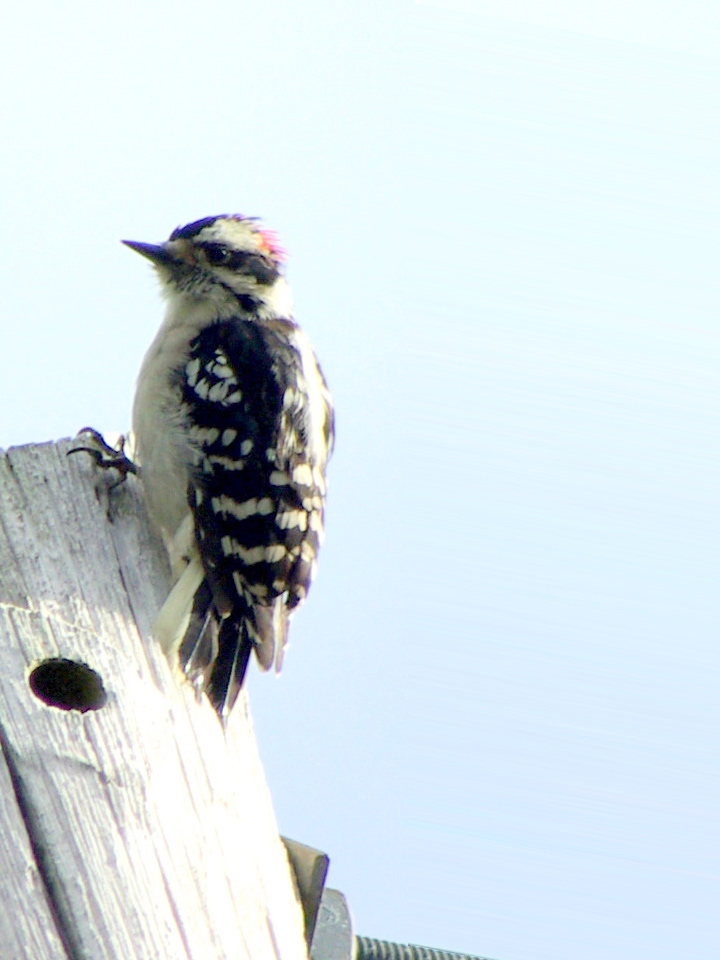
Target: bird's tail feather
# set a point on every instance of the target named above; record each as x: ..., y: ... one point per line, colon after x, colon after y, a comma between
x: 228, y: 672
x: 213, y: 650
x: 200, y: 642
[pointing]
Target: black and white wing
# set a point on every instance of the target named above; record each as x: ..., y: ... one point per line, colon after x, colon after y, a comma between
x: 260, y: 428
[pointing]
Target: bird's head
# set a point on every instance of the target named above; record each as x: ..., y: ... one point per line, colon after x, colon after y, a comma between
x: 229, y: 255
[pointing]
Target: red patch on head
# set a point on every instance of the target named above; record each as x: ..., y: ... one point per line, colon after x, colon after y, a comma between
x: 270, y: 242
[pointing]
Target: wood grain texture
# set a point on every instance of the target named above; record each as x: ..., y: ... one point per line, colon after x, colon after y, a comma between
x: 142, y: 829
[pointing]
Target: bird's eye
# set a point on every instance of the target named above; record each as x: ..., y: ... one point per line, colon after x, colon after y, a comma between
x: 220, y: 256
x: 217, y: 254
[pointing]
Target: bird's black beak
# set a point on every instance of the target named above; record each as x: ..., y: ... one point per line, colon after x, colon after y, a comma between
x: 157, y: 252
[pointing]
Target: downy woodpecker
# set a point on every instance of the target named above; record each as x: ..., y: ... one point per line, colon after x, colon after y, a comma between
x: 233, y: 428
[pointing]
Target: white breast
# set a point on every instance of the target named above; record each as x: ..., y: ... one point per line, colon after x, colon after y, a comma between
x: 160, y: 430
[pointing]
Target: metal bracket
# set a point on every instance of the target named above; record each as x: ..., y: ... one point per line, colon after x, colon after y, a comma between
x: 310, y: 868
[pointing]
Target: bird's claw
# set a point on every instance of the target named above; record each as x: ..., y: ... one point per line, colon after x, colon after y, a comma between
x: 106, y: 456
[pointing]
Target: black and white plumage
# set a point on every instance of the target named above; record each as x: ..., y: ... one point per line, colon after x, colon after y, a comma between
x: 233, y: 429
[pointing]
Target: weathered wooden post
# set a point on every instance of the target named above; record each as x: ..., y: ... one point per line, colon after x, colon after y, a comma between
x: 135, y: 827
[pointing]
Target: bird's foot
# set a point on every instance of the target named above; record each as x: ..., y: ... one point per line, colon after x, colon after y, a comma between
x: 106, y: 456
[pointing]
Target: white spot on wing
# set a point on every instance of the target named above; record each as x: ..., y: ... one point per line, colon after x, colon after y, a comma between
x: 291, y: 519
x: 205, y: 436
x: 240, y: 511
x: 302, y: 474
x: 319, y: 479
x: 218, y: 392
x: 248, y: 555
x: 192, y: 368
x: 201, y: 389
x: 227, y: 463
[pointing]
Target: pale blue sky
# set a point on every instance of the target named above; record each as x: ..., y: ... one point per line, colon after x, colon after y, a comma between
x: 499, y: 711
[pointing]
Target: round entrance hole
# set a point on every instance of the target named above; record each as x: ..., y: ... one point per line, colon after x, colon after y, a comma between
x: 68, y: 685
